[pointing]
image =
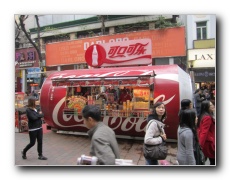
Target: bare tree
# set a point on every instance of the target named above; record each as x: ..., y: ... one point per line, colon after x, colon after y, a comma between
x: 22, y: 18
x: 37, y: 46
x: 18, y: 29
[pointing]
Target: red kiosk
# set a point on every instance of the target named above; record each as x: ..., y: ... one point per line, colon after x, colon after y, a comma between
x: 115, y: 67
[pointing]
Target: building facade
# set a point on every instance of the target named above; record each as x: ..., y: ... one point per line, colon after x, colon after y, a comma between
x: 201, y: 53
x: 70, y: 35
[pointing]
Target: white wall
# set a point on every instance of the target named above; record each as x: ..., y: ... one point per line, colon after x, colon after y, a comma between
x: 191, y: 27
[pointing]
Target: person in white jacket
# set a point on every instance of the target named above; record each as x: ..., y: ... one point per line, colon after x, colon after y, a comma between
x: 153, y: 135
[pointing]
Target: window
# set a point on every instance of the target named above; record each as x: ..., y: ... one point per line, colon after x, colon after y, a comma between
x: 201, y: 28
x: 161, y: 61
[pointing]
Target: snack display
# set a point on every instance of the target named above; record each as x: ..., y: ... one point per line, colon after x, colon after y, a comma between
x: 76, y: 102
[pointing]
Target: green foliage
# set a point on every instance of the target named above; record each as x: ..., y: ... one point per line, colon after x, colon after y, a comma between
x: 91, y: 33
x: 162, y: 23
x: 132, y: 27
x: 55, y: 31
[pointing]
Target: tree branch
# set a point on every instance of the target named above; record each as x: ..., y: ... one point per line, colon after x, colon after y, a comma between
x: 22, y: 18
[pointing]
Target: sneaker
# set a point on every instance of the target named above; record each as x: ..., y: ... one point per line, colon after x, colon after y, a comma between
x: 42, y: 157
x: 23, y: 155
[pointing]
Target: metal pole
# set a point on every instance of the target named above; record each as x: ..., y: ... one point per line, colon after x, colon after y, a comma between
x: 193, y: 82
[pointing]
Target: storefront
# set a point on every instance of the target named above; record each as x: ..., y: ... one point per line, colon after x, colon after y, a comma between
x: 203, y: 63
x: 26, y: 60
x: 205, y: 79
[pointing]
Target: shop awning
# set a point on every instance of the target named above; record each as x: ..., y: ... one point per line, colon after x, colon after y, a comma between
x: 104, y: 76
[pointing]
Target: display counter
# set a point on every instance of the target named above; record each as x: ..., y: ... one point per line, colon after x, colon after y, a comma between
x: 110, y: 103
x: 21, y: 121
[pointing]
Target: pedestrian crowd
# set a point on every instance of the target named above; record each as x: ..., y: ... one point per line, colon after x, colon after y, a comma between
x: 195, y: 135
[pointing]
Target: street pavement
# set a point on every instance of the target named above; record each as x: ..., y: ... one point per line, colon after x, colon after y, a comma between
x: 65, y: 149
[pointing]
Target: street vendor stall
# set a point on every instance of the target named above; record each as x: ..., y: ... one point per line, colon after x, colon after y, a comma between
x: 21, y: 121
x: 119, y: 70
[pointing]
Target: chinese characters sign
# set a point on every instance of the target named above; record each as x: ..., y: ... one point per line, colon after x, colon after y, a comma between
x: 165, y: 43
x: 133, y: 52
x: 26, y: 58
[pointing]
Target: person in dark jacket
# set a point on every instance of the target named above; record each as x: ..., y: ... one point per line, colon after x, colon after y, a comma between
x: 198, y: 99
x: 35, y: 129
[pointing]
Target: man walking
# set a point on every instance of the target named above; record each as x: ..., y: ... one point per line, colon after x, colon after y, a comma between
x: 103, y: 141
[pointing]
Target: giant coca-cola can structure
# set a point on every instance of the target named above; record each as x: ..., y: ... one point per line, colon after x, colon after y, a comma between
x: 166, y: 83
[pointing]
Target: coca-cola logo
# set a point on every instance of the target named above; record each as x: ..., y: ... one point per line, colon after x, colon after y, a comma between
x: 107, y: 74
x: 110, y: 54
x: 116, y: 123
x: 95, y: 55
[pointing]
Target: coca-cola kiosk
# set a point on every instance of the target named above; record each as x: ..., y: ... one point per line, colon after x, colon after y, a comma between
x: 65, y: 93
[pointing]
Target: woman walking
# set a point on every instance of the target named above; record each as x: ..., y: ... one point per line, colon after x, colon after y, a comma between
x: 206, y: 130
x: 187, y: 135
x: 35, y: 129
x: 153, y: 135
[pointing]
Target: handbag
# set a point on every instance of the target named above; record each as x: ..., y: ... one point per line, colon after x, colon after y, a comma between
x: 198, y: 154
x: 157, y: 152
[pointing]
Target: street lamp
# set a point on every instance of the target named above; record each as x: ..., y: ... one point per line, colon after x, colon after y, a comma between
x: 191, y: 73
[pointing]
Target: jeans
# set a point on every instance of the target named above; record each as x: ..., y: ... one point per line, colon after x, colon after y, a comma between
x: 37, y: 134
x: 198, y: 110
x: 151, y: 162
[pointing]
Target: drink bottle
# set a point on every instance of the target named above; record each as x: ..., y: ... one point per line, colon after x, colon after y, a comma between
x: 94, y: 56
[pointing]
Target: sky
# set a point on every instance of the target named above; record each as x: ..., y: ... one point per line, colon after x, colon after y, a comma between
x: 10, y: 8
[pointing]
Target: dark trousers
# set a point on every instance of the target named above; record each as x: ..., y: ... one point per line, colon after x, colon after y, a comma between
x: 151, y: 162
x: 37, y: 134
x: 212, y: 161
x: 198, y: 110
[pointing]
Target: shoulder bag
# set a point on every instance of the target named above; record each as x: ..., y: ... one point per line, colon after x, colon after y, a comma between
x: 157, y: 152
x: 198, y: 154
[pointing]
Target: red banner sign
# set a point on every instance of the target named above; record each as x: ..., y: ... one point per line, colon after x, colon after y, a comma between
x: 131, y: 52
x: 165, y: 43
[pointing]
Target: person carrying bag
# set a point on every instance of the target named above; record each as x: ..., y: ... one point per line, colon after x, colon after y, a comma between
x: 155, y: 137
x: 158, y: 151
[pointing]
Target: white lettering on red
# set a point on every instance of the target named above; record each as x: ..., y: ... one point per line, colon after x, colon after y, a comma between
x: 114, y: 73
x: 136, y: 122
x: 87, y: 44
x: 163, y: 98
x: 122, y: 51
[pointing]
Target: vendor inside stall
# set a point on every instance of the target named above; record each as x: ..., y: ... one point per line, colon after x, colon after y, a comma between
x: 124, y: 96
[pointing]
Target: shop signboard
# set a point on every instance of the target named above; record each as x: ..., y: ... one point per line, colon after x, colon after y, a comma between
x: 165, y: 43
x: 202, y: 57
x: 26, y: 57
x: 33, y: 72
x: 132, y: 52
x: 204, y: 75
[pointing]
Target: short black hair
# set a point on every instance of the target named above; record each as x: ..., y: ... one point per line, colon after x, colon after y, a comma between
x: 185, y: 103
x: 92, y: 111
